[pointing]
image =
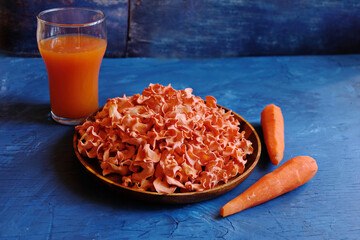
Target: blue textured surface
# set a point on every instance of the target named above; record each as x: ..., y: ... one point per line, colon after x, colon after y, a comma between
x: 45, y: 194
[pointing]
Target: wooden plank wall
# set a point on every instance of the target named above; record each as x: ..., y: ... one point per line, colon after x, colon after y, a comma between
x: 18, y: 23
x: 215, y: 28
x: 201, y: 28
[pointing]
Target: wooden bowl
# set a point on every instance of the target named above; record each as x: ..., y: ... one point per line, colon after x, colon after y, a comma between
x: 113, y: 180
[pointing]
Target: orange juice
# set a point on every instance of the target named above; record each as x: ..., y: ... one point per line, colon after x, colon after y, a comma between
x: 73, y: 64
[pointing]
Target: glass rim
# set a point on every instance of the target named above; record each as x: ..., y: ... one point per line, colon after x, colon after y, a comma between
x: 71, y: 25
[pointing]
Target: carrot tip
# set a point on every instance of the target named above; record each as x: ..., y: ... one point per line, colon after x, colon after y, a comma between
x: 222, y: 212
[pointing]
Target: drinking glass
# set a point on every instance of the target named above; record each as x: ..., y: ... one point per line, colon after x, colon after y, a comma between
x: 72, y: 43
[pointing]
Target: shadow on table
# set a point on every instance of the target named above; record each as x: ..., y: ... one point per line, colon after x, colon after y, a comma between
x: 73, y: 175
x: 24, y: 112
x: 264, y: 161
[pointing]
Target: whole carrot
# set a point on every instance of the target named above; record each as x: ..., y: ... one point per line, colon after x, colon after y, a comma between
x: 272, y: 123
x: 292, y: 174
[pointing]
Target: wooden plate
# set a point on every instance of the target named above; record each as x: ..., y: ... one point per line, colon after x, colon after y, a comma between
x: 113, y: 181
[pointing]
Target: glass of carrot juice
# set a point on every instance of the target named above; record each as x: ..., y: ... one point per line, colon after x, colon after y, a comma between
x: 72, y: 43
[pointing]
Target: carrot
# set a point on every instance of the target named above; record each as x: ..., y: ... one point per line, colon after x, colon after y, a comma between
x: 292, y: 174
x: 272, y: 123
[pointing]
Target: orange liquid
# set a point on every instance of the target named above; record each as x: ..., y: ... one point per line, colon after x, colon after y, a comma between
x: 73, y: 65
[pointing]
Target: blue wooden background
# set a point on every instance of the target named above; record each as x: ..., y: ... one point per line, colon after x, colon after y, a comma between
x: 201, y: 28
x: 18, y: 24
